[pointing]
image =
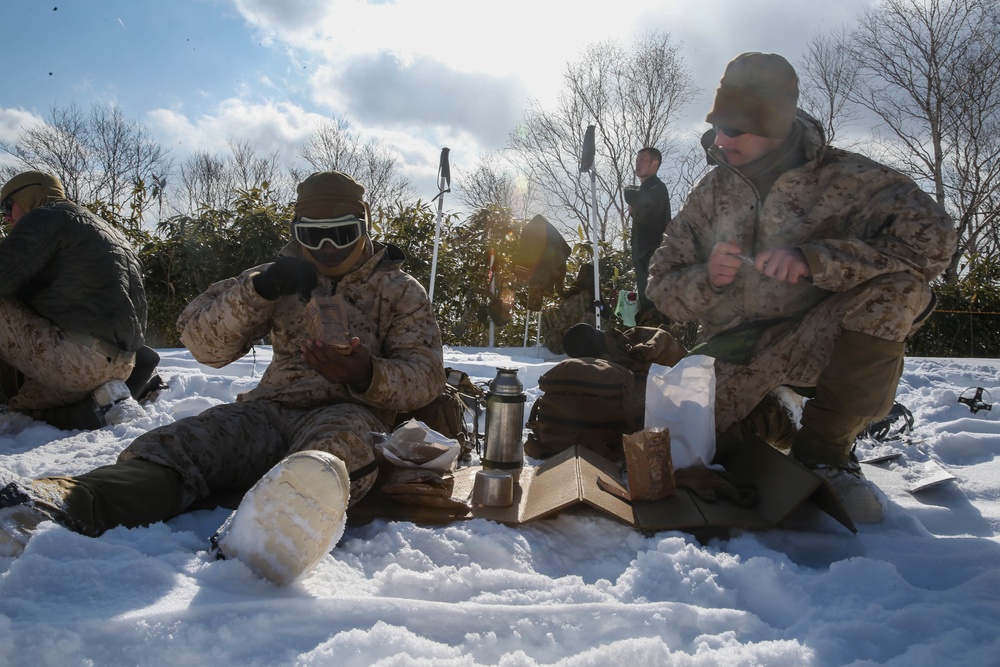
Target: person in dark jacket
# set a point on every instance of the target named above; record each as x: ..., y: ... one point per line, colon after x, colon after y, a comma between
x: 72, y: 308
x: 649, y: 206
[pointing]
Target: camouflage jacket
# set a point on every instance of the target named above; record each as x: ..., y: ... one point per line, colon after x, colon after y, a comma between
x: 387, y: 309
x: 852, y: 218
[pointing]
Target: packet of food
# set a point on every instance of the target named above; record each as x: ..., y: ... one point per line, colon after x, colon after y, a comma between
x: 650, y: 467
x: 328, y: 322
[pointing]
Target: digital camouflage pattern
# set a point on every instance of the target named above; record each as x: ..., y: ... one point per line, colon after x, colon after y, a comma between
x: 578, y: 307
x: 59, y: 371
x: 294, y: 408
x: 873, y: 241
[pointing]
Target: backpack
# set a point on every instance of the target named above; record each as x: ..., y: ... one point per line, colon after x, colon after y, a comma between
x: 446, y: 414
x: 540, y: 260
x: 585, y: 401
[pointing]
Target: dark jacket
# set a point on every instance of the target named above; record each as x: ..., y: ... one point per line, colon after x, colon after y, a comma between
x: 76, y: 271
x: 650, y: 206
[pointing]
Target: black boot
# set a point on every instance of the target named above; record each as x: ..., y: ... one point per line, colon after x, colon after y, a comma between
x: 142, y: 382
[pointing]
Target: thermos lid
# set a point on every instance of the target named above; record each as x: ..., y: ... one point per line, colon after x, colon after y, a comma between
x: 506, y: 382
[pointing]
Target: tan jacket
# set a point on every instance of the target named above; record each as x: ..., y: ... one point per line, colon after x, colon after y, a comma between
x: 853, y: 218
x: 388, y: 310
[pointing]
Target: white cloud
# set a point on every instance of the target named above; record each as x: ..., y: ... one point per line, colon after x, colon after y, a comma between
x: 12, y: 123
x: 271, y: 127
x: 382, y: 89
x: 15, y: 121
x: 473, y: 67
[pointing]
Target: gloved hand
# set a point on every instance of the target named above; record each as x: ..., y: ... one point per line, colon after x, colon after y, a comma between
x: 631, y: 194
x: 288, y: 275
x: 711, y: 485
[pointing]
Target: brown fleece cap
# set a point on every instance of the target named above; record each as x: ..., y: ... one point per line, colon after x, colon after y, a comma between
x: 31, y: 189
x: 758, y: 94
x: 330, y: 194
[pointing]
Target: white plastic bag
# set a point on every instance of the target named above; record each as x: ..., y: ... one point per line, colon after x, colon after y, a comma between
x: 415, y: 445
x: 682, y: 399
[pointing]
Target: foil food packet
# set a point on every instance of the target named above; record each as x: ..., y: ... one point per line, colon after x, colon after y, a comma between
x: 328, y: 322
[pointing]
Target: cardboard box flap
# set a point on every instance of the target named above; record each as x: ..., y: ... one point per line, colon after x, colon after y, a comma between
x: 784, y: 484
x: 677, y: 512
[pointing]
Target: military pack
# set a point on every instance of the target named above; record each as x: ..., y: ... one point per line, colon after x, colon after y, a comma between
x: 585, y: 401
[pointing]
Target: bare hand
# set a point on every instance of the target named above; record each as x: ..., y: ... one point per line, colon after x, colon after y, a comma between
x: 724, y: 263
x: 354, y: 368
x: 786, y: 264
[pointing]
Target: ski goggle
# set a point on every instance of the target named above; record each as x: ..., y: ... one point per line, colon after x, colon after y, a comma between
x: 339, y: 232
x: 730, y: 132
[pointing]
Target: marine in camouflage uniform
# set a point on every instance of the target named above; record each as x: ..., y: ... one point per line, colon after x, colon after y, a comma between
x: 576, y: 304
x: 72, y: 303
x: 804, y: 264
x: 311, y: 397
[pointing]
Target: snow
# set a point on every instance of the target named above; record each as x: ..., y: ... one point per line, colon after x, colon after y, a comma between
x: 922, y: 588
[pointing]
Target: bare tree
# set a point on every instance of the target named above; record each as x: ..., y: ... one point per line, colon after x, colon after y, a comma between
x: 335, y: 146
x: 58, y: 146
x: 930, y: 71
x: 209, y: 181
x: 205, y: 182
x: 632, y: 95
x: 250, y: 169
x: 102, y: 157
x: 688, y: 167
x: 828, y: 77
x: 494, y: 182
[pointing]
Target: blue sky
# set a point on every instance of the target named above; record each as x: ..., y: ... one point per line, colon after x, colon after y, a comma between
x: 415, y: 74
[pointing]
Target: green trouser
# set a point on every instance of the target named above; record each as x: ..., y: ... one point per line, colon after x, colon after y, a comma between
x: 769, y: 421
x: 855, y: 388
x: 129, y: 493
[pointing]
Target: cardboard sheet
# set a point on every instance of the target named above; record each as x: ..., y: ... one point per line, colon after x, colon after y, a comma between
x: 577, y: 475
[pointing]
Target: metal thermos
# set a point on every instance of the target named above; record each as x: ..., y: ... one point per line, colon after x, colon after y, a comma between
x: 505, y: 423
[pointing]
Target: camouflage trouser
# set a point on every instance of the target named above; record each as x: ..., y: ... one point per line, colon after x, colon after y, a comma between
x: 226, y: 449
x: 555, y: 321
x: 891, y: 307
x: 56, y: 370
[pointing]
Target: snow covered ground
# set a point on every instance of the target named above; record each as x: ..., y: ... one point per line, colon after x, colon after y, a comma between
x: 922, y: 588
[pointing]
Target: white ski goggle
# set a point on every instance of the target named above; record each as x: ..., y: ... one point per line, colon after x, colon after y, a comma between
x: 339, y: 232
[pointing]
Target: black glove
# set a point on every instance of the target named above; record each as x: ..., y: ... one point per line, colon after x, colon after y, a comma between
x: 714, y: 485
x: 631, y: 194
x: 288, y: 275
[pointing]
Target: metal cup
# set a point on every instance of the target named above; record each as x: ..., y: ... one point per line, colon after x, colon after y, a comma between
x: 493, y: 488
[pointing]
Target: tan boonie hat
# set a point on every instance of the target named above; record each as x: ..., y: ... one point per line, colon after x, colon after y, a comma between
x: 758, y: 94
x: 31, y: 189
x: 330, y: 194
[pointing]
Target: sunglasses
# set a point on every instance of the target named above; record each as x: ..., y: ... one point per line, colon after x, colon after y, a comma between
x: 728, y: 131
x: 338, y: 232
x: 7, y: 205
